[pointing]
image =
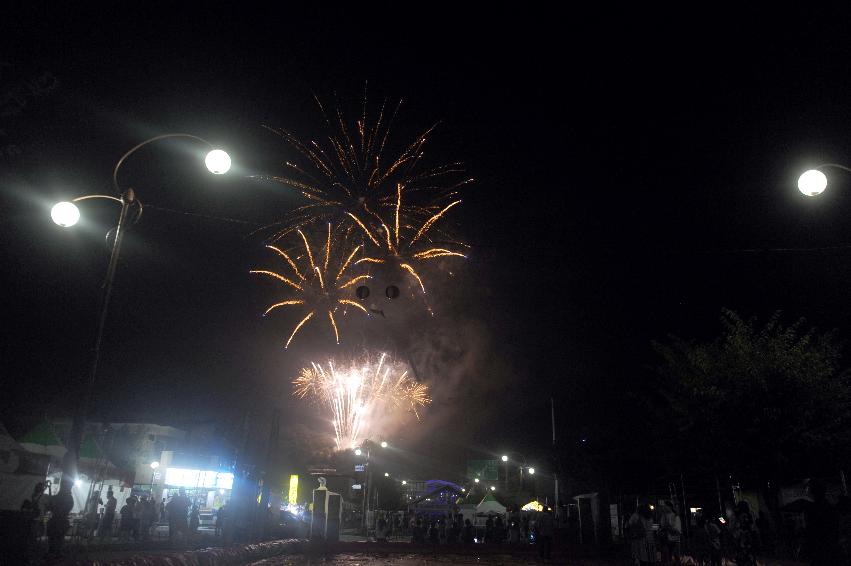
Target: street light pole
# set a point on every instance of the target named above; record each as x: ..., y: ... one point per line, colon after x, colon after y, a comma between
x: 66, y: 214
x: 65, y: 500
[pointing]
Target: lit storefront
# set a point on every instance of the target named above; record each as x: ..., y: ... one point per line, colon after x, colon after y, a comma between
x: 208, y: 489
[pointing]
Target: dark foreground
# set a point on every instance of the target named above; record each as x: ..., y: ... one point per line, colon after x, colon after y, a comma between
x: 369, y: 559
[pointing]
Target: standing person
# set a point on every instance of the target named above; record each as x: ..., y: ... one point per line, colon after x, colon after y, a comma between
x: 499, y: 529
x: 489, y: 530
x: 514, y: 531
x: 744, y: 534
x: 108, y: 515
x: 147, y: 517
x: 641, y: 536
x: 467, y: 534
x: 163, y: 514
x: 707, y: 542
x: 220, y: 519
x: 432, y: 533
x: 822, y: 535
x: 125, y: 526
x: 90, y: 513
x: 194, y: 519
x: 381, y: 530
x: 546, y: 529
x: 178, y: 509
x: 670, y: 530
x: 524, y: 527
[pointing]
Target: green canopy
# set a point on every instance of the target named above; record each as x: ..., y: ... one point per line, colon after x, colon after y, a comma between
x: 43, y: 440
x: 89, y: 449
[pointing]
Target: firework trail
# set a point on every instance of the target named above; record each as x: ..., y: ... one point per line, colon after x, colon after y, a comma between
x: 358, y: 393
x: 348, y: 176
x: 315, y: 286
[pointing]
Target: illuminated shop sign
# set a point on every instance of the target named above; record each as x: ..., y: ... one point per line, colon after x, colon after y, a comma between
x: 181, y: 477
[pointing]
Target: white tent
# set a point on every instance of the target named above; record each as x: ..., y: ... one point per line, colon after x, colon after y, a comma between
x: 489, y: 505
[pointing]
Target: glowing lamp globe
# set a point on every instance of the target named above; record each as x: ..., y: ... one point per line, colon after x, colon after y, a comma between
x: 476, y: 480
x: 65, y: 214
x: 358, y: 452
x: 505, y: 458
x: 384, y: 444
x: 386, y: 474
x: 812, y: 182
x: 532, y: 471
x: 218, y: 162
x: 155, y: 465
x: 493, y: 488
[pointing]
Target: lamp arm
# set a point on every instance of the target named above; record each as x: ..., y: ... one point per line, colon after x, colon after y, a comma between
x: 146, y: 142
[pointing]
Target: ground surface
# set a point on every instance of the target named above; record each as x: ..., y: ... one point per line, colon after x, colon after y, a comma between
x: 356, y: 559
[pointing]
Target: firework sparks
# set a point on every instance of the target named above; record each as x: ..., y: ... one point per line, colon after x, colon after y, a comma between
x: 348, y: 176
x: 407, y: 245
x: 315, y: 288
x: 356, y: 392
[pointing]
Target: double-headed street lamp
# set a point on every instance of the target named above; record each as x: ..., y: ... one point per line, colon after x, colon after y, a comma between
x: 359, y: 451
x: 523, y: 466
x: 67, y: 214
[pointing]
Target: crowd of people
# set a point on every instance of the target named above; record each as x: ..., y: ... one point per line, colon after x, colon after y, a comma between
x: 739, y: 536
x: 455, y: 529
x: 135, y: 520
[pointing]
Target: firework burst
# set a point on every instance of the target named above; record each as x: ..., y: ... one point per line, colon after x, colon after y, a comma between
x: 317, y: 285
x: 404, y: 246
x: 357, y: 393
x: 350, y: 175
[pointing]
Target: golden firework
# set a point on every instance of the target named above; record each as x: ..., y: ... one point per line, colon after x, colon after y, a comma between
x: 349, y: 174
x: 314, y: 286
x: 357, y: 392
x: 406, y: 245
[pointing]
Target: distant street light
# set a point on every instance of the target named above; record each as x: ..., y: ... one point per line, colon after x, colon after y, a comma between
x: 813, y: 182
x: 404, y: 482
x: 66, y: 214
x: 476, y: 480
x: 358, y: 451
x: 493, y: 488
x: 155, y: 465
x: 386, y: 474
x: 504, y: 458
x: 384, y: 444
x: 531, y: 471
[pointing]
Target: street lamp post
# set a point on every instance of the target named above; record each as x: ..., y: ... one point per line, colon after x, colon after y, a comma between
x: 522, y: 467
x: 365, y: 447
x: 66, y: 215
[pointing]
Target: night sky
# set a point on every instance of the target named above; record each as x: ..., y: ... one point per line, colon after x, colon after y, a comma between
x: 635, y: 174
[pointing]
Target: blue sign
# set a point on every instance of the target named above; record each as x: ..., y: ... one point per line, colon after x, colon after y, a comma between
x: 358, y: 467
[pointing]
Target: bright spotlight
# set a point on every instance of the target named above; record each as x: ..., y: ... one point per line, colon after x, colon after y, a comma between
x: 65, y: 214
x: 812, y: 182
x: 504, y: 458
x: 218, y: 162
x: 532, y: 471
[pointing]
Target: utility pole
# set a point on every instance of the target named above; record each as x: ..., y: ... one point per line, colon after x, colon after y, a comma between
x: 555, y: 472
